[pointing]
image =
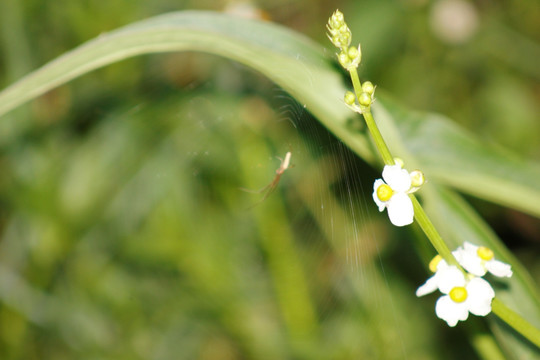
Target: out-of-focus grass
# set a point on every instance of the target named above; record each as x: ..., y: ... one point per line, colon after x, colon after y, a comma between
x: 124, y: 230
x: 136, y: 240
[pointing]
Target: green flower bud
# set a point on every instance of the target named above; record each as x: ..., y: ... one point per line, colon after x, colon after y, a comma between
x: 336, y: 20
x: 364, y: 99
x: 344, y: 60
x: 417, y: 178
x: 340, y: 34
x: 353, y: 52
x: 368, y: 87
x: 350, y: 98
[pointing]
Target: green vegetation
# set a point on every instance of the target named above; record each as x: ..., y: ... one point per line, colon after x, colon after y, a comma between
x: 125, y: 232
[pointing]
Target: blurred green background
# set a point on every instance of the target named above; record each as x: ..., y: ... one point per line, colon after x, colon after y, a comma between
x: 125, y: 232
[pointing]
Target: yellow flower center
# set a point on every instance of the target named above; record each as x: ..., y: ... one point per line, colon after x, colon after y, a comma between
x: 384, y: 192
x: 485, y: 253
x: 434, y: 263
x: 458, y: 294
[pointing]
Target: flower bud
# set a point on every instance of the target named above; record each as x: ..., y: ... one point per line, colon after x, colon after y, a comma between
x: 353, y: 52
x: 364, y: 99
x: 340, y: 34
x: 368, y: 87
x: 349, y: 98
x: 344, y: 60
x: 417, y: 178
x: 336, y: 20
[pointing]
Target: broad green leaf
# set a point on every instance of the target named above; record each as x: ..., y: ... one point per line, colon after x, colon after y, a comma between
x: 448, y: 154
x: 453, y: 156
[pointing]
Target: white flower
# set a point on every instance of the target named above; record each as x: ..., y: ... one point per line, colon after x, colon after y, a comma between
x: 479, y: 259
x: 462, y: 295
x: 392, y: 194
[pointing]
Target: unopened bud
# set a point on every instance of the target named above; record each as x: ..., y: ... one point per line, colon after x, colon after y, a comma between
x: 417, y: 178
x: 364, y: 99
x: 368, y: 87
x: 349, y: 98
x: 344, y: 60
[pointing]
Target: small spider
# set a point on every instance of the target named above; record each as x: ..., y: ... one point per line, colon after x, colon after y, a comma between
x: 285, y: 164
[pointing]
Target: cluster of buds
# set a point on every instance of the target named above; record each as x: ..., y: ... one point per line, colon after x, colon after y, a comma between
x: 366, y: 98
x: 340, y: 35
x: 349, y: 57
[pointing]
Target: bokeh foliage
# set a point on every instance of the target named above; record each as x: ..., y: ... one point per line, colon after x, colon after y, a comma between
x: 126, y: 234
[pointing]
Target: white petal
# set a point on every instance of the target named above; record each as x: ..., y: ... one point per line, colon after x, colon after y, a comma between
x: 380, y: 204
x: 398, y: 178
x: 449, y: 278
x: 467, y: 246
x: 479, y: 296
x: 400, y: 209
x: 450, y: 311
x: 429, y: 286
x: 470, y: 261
x: 442, y: 265
x: 498, y: 268
x: 458, y: 254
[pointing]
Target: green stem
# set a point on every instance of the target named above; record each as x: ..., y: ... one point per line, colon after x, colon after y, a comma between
x: 419, y: 213
x: 432, y: 233
x: 372, y: 126
x: 516, y: 321
x: 357, y: 85
x: 377, y: 138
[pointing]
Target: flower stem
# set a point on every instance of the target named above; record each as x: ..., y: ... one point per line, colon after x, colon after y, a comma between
x: 370, y: 121
x: 432, y: 233
x: 419, y: 213
x: 516, y: 321
x: 357, y: 85
x: 377, y: 138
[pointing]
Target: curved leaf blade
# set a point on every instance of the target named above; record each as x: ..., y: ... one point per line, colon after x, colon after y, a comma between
x: 302, y: 68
